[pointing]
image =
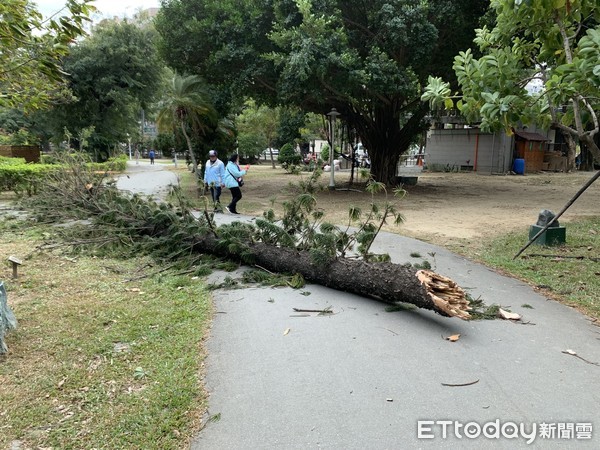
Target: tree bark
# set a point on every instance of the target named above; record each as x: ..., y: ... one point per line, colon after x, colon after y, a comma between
x: 386, y: 282
x: 190, y: 149
x: 386, y: 136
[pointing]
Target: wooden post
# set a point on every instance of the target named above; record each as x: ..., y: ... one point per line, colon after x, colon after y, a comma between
x: 16, y: 262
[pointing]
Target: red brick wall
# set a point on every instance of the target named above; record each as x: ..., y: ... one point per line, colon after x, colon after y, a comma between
x: 31, y: 153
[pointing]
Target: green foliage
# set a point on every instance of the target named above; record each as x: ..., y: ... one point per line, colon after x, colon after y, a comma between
x: 289, y: 157
x: 324, y: 155
x: 113, y: 74
x: 31, y: 72
x: 187, y: 108
x: 295, y: 281
x: 422, y: 265
x: 20, y: 177
x: 257, y: 128
x: 481, y: 311
x: 20, y: 137
x: 367, y: 59
x: 291, y: 122
x: 119, y: 224
x: 164, y: 143
x: 303, y: 227
x: 10, y: 161
x: 114, y: 164
x: 560, y: 51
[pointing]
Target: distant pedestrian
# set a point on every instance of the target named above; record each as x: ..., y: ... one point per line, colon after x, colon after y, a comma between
x: 233, y: 180
x: 137, y: 156
x: 214, y: 172
x: 151, y: 155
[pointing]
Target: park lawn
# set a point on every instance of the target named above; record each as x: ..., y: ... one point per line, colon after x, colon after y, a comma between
x: 98, y: 362
x: 568, y: 273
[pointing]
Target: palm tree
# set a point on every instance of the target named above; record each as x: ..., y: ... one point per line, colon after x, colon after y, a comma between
x: 187, y: 106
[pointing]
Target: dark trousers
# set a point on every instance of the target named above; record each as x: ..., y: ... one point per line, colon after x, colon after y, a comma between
x: 215, y: 192
x: 236, y: 195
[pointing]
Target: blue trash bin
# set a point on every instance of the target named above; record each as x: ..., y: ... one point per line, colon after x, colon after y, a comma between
x: 519, y: 166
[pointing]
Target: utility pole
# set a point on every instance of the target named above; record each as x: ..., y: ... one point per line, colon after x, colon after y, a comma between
x: 143, y: 124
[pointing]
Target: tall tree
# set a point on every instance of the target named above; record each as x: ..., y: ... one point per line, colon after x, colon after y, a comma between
x: 113, y: 73
x: 187, y: 107
x: 291, y: 122
x: 366, y: 59
x: 257, y: 129
x: 554, y: 42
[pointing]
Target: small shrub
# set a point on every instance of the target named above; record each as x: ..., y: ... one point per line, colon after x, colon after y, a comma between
x: 289, y: 158
x: 324, y: 156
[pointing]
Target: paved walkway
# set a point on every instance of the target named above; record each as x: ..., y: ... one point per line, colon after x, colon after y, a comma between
x: 362, y: 377
x: 148, y: 179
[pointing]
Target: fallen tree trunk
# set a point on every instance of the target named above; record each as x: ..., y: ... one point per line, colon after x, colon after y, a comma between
x: 386, y: 282
x: 168, y: 232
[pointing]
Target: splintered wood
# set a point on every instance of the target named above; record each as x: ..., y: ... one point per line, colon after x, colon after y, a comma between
x: 445, y: 293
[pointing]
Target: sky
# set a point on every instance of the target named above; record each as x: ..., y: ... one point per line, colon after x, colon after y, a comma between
x: 106, y: 8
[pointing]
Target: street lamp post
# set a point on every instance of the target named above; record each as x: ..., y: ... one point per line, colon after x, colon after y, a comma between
x: 333, y: 114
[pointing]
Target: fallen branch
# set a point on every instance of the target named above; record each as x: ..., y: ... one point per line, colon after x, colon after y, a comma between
x: 148, y: 275
x: 572, y: 353
x: 580, y: 257
x: 461, y: 384
x: 321, y: 311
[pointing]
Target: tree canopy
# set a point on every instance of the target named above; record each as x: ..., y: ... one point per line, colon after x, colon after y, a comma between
x: 257, y: 129
x: 187, y: 107
x: 555, y: 42
x: 369, y: 60
x: 113, y: 74
x: 32, y: 48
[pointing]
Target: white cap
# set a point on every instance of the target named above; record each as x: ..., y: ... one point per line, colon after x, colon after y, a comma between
x: 212, y: 153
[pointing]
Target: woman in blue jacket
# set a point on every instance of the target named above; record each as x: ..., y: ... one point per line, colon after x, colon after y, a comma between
x: 231, y: 179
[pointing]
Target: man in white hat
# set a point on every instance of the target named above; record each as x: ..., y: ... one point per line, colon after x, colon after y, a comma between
x: 214, y: 170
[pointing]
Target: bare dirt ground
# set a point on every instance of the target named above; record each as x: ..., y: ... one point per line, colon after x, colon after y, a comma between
x: 443, y: 208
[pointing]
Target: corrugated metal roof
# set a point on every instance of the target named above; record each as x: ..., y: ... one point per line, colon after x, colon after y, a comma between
x: 531, y: 136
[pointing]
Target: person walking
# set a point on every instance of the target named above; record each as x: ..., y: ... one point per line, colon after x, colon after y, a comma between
x: 233, y: 180
x: 137, y: 156
x: 214, y: 171
x: 151, y: 155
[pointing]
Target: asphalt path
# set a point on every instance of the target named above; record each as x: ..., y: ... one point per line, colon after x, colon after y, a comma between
x: 364, y: 378
x: 153, y: 180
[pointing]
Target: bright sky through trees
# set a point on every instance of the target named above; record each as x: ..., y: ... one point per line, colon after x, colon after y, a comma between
x: 106, y: 8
